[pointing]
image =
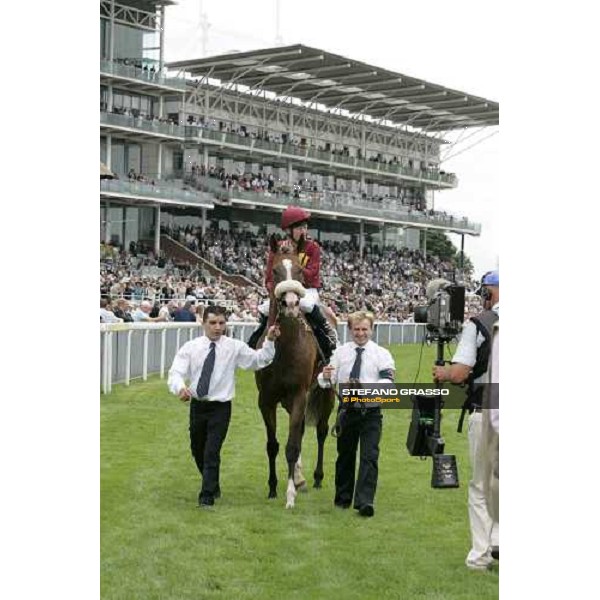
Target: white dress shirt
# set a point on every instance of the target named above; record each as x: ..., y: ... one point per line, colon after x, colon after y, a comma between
x: 229, y: 354
x: 374, y: 359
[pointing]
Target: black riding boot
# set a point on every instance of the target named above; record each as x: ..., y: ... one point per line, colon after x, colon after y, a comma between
x: 253, y: 341
x: 325, y: 334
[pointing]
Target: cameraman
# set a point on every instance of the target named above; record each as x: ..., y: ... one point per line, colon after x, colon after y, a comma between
x: 469, y: 365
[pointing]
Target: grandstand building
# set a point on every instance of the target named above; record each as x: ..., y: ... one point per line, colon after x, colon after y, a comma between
x: 233, y: 139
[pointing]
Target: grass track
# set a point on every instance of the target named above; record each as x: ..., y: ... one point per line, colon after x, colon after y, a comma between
x: 156, y: 544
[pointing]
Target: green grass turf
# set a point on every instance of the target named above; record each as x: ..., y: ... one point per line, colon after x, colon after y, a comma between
x: 156, y: 543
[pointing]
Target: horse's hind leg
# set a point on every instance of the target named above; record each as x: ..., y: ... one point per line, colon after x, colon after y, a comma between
x: 269, y: 414
x: 322, y: 428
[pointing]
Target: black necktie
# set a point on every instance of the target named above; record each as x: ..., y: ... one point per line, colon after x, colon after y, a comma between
x: 207, y: 369
x: 355, y: 373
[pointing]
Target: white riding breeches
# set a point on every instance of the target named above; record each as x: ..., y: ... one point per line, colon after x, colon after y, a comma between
x: 306, y: 304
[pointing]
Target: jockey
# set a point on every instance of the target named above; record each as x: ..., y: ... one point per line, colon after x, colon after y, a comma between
x: 295, y: 220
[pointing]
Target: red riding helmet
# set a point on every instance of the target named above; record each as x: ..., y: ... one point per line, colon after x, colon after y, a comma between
x: 293, y: 215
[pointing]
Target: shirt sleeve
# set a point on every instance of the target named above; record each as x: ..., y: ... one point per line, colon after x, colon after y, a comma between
x: 387, y: 366
x: 253, y: 360
x: 180, y: 369
x: 466, y: 351
x: 335, y: 362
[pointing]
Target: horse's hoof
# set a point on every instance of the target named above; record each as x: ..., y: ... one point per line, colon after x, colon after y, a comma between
x: 301, y: 487
x: 317, y: 485
x: 272, y: 495
x: 289, y: 505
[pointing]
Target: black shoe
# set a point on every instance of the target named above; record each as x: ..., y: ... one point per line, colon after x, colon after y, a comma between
x: 343, y: 505
x: 366, y: 510
x: 217, y: 494
x: 257, y: 333
x: 206, y: 505
x: 325, y: 334
x: 205, y: 500
x: 496, y: 552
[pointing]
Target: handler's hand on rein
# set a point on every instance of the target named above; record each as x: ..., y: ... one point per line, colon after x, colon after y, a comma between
x: 273, y: 333
x: 328, y: 371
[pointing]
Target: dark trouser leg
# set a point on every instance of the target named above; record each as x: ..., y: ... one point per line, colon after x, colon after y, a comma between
x: 198, y: 426
x: 218, y: 424
x: 345, y: 465
x: 255, y: 337
x: 370, y: 435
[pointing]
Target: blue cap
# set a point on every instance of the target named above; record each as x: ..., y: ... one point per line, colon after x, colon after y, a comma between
x: 491, y: 278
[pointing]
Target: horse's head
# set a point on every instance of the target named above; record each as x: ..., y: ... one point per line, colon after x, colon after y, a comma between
x: 287, y: 277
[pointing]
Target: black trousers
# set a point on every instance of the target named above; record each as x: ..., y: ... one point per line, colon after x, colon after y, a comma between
x: 209, y: 422
x: 364, y: 425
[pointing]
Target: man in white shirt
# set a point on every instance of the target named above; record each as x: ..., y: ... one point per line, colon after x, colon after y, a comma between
x: 142, y: 314
x: 360, y: 360
x: 106, y: 314
x: 469, y: 364
x: 208, y: 363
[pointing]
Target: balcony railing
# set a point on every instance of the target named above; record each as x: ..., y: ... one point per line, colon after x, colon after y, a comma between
x: 142, y: 123
x: 159, y: 191
x: 133, y: 72
x: 427, y: 176
x: 341, y: 202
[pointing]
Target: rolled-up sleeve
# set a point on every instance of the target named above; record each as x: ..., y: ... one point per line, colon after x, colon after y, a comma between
x: 387, y: 366
x: 253, y: 360
x: 466, y: 352
x: 180, y: 369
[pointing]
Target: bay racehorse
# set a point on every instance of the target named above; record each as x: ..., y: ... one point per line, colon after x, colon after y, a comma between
x: 291, y: 378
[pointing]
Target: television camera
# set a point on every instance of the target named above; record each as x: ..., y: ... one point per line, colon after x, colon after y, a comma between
x: 443, y: 314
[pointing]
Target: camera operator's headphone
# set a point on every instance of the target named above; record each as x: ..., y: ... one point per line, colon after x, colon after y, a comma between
x: 485, y: 292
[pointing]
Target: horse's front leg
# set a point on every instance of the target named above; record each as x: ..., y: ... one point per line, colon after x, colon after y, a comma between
x: 269, y: 414
x: 299, y: 480
x: 294, y: 445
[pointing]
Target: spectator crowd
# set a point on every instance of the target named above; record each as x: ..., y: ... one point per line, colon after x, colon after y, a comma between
x: 387, y: 281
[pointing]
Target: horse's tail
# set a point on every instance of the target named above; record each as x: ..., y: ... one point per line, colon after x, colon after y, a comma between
x: 320, y: 404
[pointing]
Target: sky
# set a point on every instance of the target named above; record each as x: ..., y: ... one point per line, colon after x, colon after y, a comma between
x: 454, y: 44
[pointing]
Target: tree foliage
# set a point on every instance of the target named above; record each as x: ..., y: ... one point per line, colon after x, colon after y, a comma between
x: 439, y: 244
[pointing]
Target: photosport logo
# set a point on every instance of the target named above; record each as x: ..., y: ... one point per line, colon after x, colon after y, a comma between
x: 401, y: 395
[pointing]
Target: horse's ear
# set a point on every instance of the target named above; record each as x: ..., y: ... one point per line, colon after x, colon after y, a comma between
x: 273, y: 243
x: 301, y: 244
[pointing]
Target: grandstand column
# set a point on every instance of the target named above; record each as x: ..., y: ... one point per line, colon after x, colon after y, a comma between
x: 361, y: 238
x: 107, y: 224
x: 109, y: 104
x: 161, y: 44
x: 383, y: 235
x: 111, y: 48
x: 109, y: 150
x: 203, y: 222
x: 157, y: 232
x: 425, y: 243
x: 205, y: 157
x: 462, y: 250
x: 159, y: 161
x: 363, y: 144
x: 160, y: 107
x: 289, y: 172
x: 362, y: 182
